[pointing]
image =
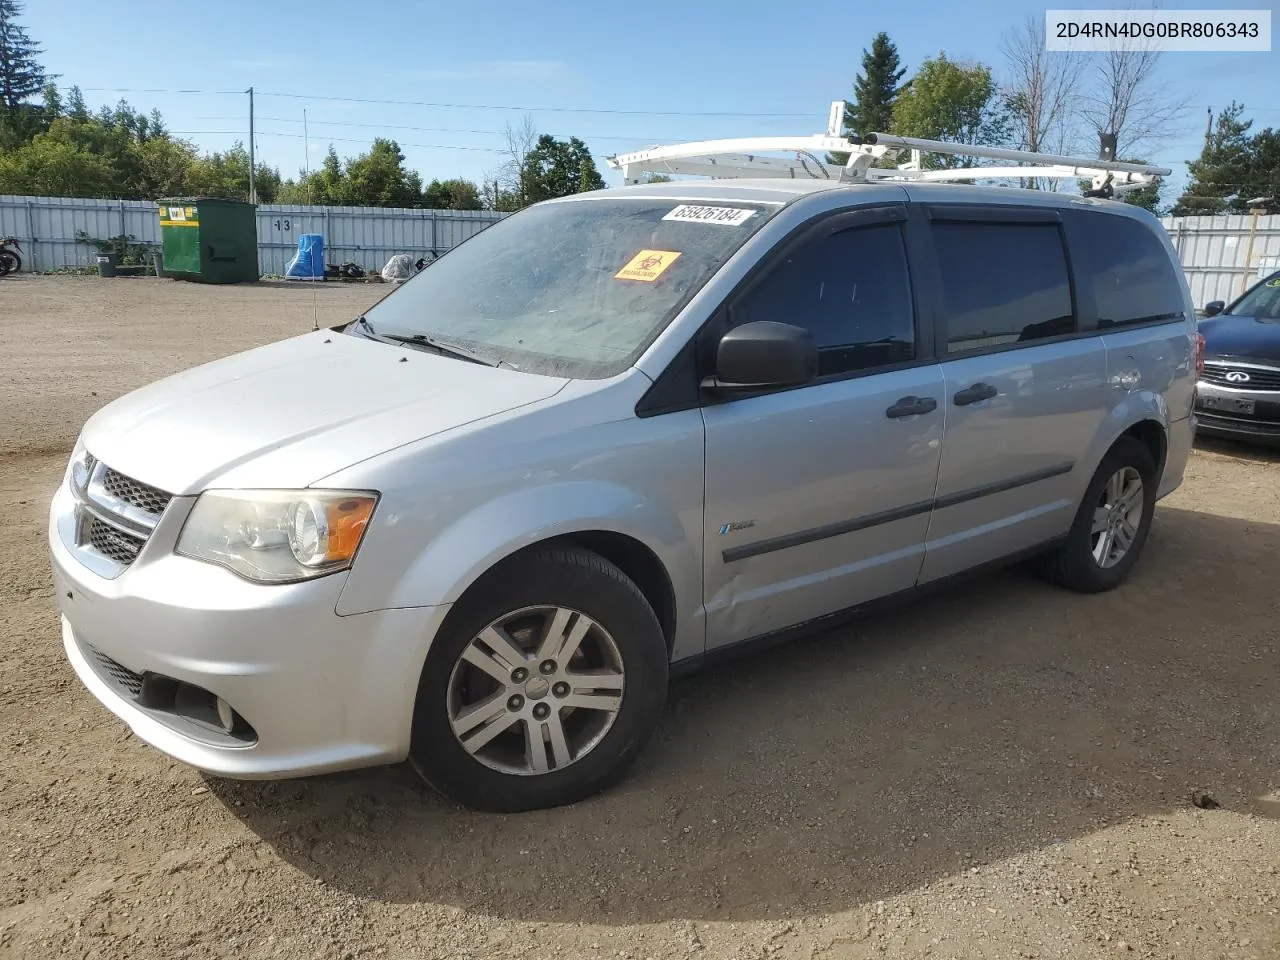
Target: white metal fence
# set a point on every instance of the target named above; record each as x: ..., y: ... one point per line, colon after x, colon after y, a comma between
x: 47, y: 228
x: 1219, y: 254
x: 1223, y: 255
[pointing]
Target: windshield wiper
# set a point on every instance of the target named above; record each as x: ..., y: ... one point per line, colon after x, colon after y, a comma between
x: 423, y: 341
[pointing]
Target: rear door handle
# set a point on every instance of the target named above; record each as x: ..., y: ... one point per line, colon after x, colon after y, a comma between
x: 911, y: 406
x: 975, y: 394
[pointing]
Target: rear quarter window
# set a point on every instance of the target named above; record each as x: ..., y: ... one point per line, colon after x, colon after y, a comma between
x: 1128, y: 269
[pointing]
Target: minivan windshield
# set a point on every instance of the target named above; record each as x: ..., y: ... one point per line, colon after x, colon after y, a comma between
x: 1263, y: 301
x: 575, y: 288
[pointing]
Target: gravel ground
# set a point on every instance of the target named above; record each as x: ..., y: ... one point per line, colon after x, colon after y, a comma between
x: 1003, y: 771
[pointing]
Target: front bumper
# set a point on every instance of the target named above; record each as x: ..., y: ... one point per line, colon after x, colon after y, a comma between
x: 1217, y: 416
x: 316, y: 692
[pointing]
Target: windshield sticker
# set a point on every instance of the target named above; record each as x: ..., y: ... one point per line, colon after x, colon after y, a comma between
x: 723, y: 216
x: 1274, y: 283
x: 647, y: 265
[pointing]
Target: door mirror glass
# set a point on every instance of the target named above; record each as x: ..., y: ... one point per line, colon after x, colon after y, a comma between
x: 765, y: 354
x: 1213, y: 308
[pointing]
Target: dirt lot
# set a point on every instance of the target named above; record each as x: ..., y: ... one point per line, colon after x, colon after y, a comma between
x: 1003, y: 771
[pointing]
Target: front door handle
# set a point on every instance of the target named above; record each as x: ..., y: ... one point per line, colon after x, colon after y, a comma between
x: 911, y: 406
x: 975, y: 394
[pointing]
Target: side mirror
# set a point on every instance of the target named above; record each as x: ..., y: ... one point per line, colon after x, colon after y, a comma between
x: 1214, y: 307
x: 764, y: 355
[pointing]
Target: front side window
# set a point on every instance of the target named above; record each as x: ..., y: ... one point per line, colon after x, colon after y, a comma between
x: 1133, y: 279
x: 1003, y: 283
x: 850, y: 289
x: 575, y: 289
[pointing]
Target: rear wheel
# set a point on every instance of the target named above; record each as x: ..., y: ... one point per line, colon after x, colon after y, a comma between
x: 10, y: 262
x: 1112, y: 523
x: 545, y: 683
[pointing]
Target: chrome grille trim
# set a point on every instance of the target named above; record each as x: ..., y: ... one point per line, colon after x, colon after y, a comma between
x: 126, y: 490
x: 110, y: 541
x: 1261, y: 377
x: 115, y: 516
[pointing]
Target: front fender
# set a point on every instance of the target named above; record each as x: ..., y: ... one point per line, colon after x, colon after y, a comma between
x: 472, y: 543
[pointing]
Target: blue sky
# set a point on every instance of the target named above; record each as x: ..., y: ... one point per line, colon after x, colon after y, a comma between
x: 619, y: 75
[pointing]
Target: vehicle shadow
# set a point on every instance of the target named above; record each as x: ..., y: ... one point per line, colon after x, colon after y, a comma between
x: 990, y: 720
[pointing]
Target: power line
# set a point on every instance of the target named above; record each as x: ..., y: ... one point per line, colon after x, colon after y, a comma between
x: 299, y: 136
x: 462, y: 106
x: 395, y: 126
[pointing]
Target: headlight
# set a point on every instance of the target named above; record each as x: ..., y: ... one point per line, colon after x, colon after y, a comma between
x: 80, y: 468
x: 277, y: 536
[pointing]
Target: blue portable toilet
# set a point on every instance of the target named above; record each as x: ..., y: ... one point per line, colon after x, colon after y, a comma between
x: 308, y: 262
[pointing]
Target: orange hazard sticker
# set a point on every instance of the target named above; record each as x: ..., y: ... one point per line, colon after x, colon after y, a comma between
x: 647, y: 265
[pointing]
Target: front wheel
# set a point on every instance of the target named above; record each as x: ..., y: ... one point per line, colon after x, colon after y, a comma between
x: 10, y: 262
x: 545, y: 683
x: 1112, y: 523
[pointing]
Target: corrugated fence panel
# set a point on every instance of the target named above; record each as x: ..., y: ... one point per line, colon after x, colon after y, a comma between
x: 47, y: 228
x: 1219, y: 255
x: 369, y: 236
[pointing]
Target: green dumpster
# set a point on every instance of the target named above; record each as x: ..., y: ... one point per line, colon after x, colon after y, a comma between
x: 209, y: 239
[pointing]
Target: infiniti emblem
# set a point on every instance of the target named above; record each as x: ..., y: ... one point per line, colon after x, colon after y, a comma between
x: 1237, y: 376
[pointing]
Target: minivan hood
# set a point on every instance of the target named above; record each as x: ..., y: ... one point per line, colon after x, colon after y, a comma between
x: 293, y: 412
x: 1242, y: 337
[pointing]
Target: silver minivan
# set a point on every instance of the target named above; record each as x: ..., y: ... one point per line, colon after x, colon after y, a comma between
x: 478, y: 526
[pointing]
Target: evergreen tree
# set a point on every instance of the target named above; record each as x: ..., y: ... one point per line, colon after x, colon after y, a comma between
x: 874, y: 89
x: 21, y: 76
x: 1222, y: 170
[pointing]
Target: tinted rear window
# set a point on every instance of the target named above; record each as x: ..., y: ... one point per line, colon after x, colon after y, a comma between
x: 1132, y: 276
x: 1003, y: 283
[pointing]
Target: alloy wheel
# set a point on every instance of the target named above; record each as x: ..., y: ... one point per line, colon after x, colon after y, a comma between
x: 1117, y: 517
x: 536, y: 690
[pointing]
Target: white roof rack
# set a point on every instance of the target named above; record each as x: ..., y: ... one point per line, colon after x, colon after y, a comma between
x: 742, y: 157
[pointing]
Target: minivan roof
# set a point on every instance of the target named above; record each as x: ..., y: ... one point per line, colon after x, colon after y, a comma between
x: 782, y: 191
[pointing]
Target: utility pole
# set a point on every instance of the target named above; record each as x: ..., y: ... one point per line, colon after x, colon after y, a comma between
x: 253, y: 188
x: 1208, y: 126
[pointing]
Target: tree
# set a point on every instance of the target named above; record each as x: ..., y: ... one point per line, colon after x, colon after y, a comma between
x: 874, y: 91
x: 165, y: 167
x: 558, y: 168
x: 324, y: 187
x: 454, y: 194
x: 76, y: 110
x: 227, y: 175
x: 1128, y: 98
x: 379, y: 178
x: 948, y: 100
x: 1041, y: 94
x: 50, y: 166
x: 502, y: 190
x: 21, y: 75
x: 1233, y: 168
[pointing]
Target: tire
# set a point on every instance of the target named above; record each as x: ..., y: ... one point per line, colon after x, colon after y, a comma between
x: 619, y: 660
x: 10, y: 262
x: 1075, y: 563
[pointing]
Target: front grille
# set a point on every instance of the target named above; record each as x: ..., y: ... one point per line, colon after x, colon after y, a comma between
x: 119, y: 546
x: 145, y: 498
x: 1225, y: 375
x: 121, y: 676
